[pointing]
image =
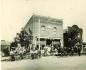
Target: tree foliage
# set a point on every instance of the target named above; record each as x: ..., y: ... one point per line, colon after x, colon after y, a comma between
x: 71, y: 36
x: 23, y: 38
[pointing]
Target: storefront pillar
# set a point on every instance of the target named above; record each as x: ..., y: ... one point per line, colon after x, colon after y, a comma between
x: 45, y: 42
x: 61, y: 41
x: 52, y: 43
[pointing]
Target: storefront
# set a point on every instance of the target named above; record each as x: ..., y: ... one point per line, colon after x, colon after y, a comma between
x: 45, y: 31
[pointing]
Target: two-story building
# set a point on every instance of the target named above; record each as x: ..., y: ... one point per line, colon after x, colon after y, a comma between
x: 45, y: 30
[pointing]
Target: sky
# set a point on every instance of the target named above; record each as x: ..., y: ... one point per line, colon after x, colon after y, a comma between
x: 16, y: 13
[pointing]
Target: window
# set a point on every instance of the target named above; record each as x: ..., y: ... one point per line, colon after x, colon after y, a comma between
x: 43, y: 28
x: 54, y: 29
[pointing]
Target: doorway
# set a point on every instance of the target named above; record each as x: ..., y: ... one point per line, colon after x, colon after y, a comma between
x: 48, y: 42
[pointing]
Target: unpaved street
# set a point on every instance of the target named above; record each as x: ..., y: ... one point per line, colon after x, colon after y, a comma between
x: 48, y: 63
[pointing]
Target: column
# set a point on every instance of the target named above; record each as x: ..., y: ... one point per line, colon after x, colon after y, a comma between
x: 52, y: 43
x: 45, y: 42
x: 61, y: 40
x: 35, y: 40
x: 39, y: 34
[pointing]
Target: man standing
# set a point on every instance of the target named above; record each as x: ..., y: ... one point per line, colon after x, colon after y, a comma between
x: 79, y: 49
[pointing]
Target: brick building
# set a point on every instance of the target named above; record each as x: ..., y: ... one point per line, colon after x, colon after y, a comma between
x: 45, y: 30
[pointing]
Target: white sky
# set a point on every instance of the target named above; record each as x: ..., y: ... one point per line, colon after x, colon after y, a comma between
x: 16, y: 13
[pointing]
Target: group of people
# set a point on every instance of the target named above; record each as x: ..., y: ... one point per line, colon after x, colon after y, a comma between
x: 21, y: 52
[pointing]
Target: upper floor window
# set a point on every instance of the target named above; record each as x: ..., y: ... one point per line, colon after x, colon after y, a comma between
x: 54, y: 29
x: 43, y: 28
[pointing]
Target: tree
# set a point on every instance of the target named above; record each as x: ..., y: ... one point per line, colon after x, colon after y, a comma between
x: 23, y: 38
x: 71, y: 36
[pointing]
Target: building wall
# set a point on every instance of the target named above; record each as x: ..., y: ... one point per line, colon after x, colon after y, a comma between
x: 49, y: 31
x: 29, y: 25
x: 36, y: 22
x: 49, y: 25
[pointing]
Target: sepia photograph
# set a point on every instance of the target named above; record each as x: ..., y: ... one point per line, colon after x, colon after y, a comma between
x: 43, y: 35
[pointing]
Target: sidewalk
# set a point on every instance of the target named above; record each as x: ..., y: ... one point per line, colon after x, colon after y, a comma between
x: 5, y: 58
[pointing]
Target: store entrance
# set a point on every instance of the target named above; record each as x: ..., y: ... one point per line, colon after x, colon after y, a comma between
x: 48, y: 42
x: 56, y: 43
